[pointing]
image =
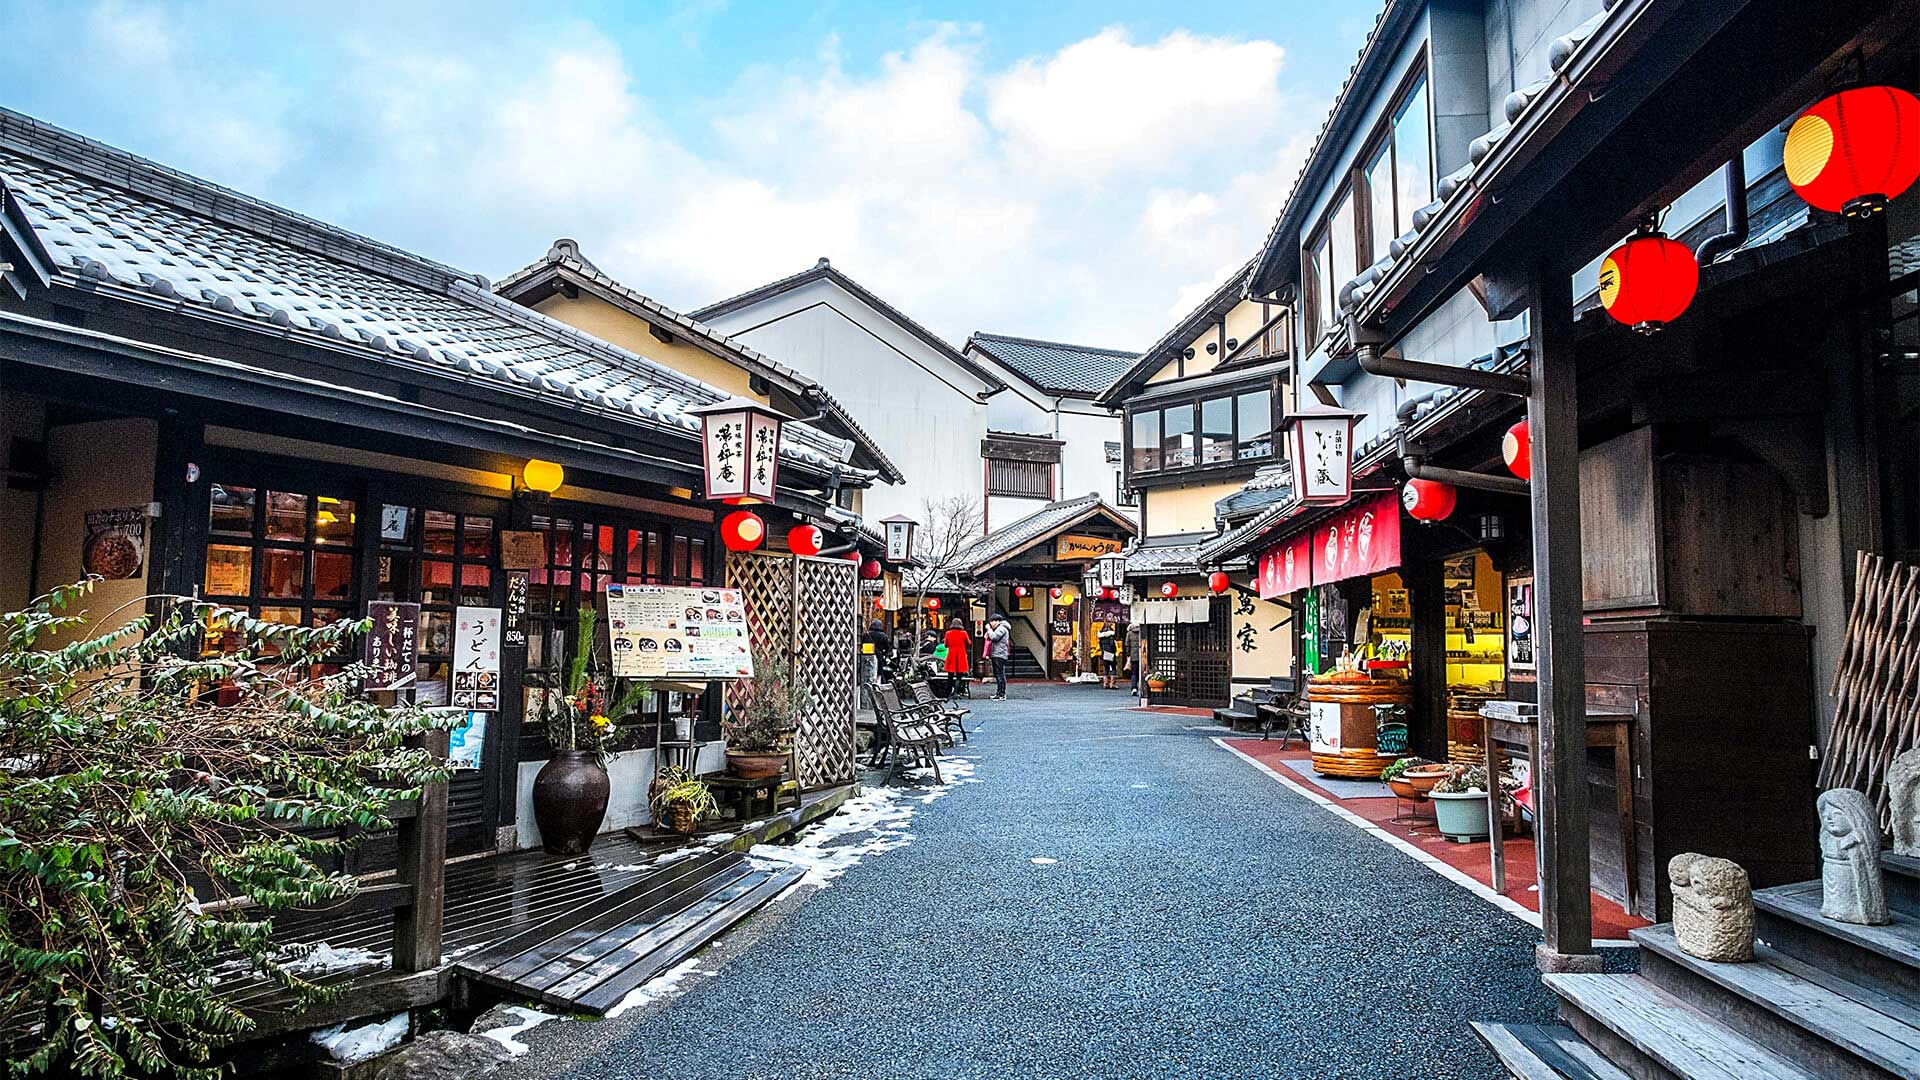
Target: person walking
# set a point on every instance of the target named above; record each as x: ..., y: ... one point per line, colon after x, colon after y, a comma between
x: 1134, y: 656
x: 1109, y: 645
x: 999, y: 652
x: 875, y: 645
x: 959, y: 663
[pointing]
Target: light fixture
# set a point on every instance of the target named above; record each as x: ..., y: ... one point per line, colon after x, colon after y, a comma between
x: 933, y: 603
x: 1218, y: 581
x: 871, y: 570
x: 742, y: 530
x: 1320, y: 454
x: 1648, y: 281
x: 1855, y: 150
x: 1021, y: 590
x: 544, y: 477
x: 899, y: 537
x: 1517, y: 448
x: 1168, y: 588
x: 1110, y: 570
x: 805, y: 540
x: 740, y: 444
x: 1493, y: 528
x: 1429, y: 500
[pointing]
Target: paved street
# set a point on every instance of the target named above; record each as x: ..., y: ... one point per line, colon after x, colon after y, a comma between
x: 1200, y: 921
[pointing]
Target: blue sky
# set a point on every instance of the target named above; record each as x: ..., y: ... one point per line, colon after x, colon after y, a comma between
x: 1065, y: 170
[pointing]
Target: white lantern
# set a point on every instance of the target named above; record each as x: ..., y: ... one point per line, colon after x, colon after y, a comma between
x: 741, y: 443
x: 1320, y: 453
x: 1111, y: 570
x: 899, y: 537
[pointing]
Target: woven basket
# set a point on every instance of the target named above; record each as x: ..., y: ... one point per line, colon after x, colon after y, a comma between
x: 680, y: 818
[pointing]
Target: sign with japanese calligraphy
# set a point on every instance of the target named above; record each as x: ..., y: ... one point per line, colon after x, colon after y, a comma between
x: 1320, y: 449
x: 392, y: 644
x: 1070, y: 547
x: 1285, y: 567
x: 476, y: 658
x: 1520, y: 623
x: 513, y: 618
x: 741, y: 445
x: 670, y: 632
x: 764, y: 449
x: 523, y: 549
x: 1363, y: 540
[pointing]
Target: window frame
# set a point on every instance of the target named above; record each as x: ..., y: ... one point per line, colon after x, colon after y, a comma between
x: 1194, y: 401
x: 1036, y: 468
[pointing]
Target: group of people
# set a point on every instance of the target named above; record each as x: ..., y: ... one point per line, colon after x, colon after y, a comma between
x: 950, y: 651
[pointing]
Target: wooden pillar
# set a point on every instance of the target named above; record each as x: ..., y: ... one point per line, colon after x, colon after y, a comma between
x: 1424, y: 578
x: 1553, y: 416
x: 417, y: 925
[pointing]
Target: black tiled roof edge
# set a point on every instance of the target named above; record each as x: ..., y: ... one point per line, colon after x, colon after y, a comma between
x: 986, y: 343
x: 825, y: 269
x: 1014, y: 535
x: 558, y: 260
x: 1221, y: 300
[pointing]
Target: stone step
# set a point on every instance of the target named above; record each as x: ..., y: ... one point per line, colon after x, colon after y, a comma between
x: 1653, y: 1035
x: 1820, y: 1017
x: 1788, y: 918
x: 1545, y: 1052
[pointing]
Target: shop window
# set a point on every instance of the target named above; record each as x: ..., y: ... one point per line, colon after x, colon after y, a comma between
x: 1254, y: 411
x: 441, y: 560
x: 1176, y: 437
x: 1146, y: 440
x: 281, y: 556
x: 1216, y: 430
x: 1020, y: 479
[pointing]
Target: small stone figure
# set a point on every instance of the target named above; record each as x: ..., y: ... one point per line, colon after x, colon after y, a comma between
x: 1851, y: 885
x: 1903, y: 788
x: 1712, y: 908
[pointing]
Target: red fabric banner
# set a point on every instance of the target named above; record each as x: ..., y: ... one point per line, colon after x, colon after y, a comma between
x: 1364, y: 539
x: 1286, y: 567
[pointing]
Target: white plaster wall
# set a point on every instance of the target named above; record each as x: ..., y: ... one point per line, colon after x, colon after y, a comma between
x: 630, y: 771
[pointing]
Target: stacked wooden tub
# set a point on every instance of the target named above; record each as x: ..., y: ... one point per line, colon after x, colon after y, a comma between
x: 1343, y: 723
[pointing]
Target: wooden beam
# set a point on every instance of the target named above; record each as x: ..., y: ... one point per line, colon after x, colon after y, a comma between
x: 660, y: 333
x: 423, y: 866
x: 1553, y: 416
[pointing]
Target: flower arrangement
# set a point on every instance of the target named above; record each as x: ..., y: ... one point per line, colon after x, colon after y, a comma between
x: 584, y: 718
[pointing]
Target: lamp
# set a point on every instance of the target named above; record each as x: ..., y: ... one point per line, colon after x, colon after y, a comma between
x: 899, y: 537
x: 805, y: 540
x: 742, y: 530
x: 740, y: 444
x: 1429, y: 500
x: 1110, y: 570
x: 1320, y: 453
x: 544, y: 477
x: 1855, y: 150
x: 1648, y: 281
x: 1218, y: 582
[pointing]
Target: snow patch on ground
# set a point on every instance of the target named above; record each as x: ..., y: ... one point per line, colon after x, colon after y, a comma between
x: 529, y: 1019
x: 326, y: 959
x: 873, y: 822
x: 1043, y: 861
x: 668, y: 984
x: 348, y: 1045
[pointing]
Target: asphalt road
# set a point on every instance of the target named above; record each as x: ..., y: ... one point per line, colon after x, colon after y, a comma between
x: 1199, y: 920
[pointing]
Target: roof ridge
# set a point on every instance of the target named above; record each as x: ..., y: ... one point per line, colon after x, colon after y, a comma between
x: 143, y: 176
x: 1187, y: 323
x: 977, y: 334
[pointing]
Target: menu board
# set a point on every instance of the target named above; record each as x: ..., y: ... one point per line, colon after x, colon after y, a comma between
x: 476, y: 658
x: 392, y: 644
x: 670, y: 632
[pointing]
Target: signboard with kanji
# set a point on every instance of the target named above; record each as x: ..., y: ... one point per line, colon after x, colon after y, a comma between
x: 392, y: 645
x: 670, y: 632
x: 476, y: 658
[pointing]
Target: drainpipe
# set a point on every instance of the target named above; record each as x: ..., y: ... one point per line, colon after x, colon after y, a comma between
x: 1374, y: 362
x: 1713, y: 247
x: 1415, y: 463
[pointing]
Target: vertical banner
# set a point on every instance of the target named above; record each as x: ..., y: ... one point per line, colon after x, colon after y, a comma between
x: 392, y: 644
x: 1520, y: 623
x: 476, y: 658
x: 513, y: 619
x: 1310, y: 633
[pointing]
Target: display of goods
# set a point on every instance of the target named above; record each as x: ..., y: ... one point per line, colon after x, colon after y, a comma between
x: 1462, y: 753
x: 1344, y: 726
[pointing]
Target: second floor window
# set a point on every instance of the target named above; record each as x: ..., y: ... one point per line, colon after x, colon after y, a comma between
x: 1211, y: 431
x: 1020, y: 479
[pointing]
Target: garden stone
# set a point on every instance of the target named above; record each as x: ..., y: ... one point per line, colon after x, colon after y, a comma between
x: 1712, y: 908
x: 500, y: 1016
x: 443, y: 1055
x: 1903, y: 788
x: 1852, y: 888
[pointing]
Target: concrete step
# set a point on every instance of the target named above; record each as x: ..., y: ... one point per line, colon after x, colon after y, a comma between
x: 1545, y: 1052
x: 1653, y: 1035
x: 1849, y: 1030
x: 1788, y: 918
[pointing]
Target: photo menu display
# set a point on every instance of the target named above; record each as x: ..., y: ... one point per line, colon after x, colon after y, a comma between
x: 673, y: 632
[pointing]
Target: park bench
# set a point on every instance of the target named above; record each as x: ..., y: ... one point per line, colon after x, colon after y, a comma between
x: 910, y: 731
x: 950, y: 717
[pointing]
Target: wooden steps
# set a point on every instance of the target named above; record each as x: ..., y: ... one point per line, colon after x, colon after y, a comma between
x: 1650, y: 1032
x: 589, y: 958
x: 1546, y: 1052
x: 1788, y: 918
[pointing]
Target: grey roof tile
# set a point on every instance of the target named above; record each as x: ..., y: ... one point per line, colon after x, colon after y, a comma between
x: 1056, y: 367
x: 1012, y: 537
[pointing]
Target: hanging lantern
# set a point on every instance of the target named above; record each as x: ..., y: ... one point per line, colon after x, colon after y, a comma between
x: 805, y: 540
x: 1056, y: 592
x: 1648, y: 281
x: 933, y: 603
x: 1168, y: 588
x: 870, y: 570
x: 1108, y: 592
x: 544, y: 477
x: 742, y: 530
x: 740, y: 441
x: 1428, y: 500
x: 1021, y: 590
x: 1855, y: 150
x: 899, y: 537
x: 1319, y: 443
x: 1218, y: 582
x: 1517, y: 448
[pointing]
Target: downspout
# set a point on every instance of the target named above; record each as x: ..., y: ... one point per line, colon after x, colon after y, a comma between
x: 1415, y: 463
x: 1715, y: 246
x: 1374, y: 362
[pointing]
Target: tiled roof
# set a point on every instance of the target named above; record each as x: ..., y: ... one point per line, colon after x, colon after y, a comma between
x: 1272, y: 484
x: 118, y: 224
x: 563, y: 258
x: 825, y: 271
x: 1164, y: 559
x: 1071, y: 370
x: 1049, y: 519
x: 1217, y: 303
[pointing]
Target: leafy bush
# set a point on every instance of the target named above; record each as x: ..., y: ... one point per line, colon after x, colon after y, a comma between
x: 775, y: 700
x: 156, y: 807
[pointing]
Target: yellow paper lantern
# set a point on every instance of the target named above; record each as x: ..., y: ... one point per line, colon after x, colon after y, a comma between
x: 544, y: 476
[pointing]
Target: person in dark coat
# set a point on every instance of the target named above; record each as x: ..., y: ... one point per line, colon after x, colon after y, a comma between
x: 875, y: 646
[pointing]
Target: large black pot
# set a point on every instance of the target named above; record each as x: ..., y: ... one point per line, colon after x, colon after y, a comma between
x: 570, y: 801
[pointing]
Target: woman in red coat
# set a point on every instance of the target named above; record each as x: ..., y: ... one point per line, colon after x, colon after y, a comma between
x: 959, y: 649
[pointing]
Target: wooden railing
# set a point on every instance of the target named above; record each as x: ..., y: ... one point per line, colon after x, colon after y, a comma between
x: 419, y: 887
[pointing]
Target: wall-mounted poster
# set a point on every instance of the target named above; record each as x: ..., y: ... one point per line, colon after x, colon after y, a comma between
x: 392, y: 644
x: 663, y: 631
x: 523, y: 549
x: 476, y: 659
x: 115, y: 546
x: 513, y: 622
x: 467, y: 741
x: 1520, y: 623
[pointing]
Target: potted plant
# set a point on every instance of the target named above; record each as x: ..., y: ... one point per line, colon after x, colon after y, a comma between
x: 1394, y: 776
x: 760, y: 731
x: 1156, y: 683
x: 1460, y: 803
x: 680, y: 802
x: 570, y: 791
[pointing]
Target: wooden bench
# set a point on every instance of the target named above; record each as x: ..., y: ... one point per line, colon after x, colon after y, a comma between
x: 911, y: 731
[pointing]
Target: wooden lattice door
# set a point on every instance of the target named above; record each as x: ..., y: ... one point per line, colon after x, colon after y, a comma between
x: 1196, y: 659
x: 806, y: 610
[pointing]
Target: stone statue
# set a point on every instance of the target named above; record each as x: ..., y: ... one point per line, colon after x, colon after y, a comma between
x: 1851, y: 885
x: 1712, y: 908
x: 1903, y: 788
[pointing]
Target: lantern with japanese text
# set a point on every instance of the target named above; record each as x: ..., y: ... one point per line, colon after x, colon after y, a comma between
x: 1648, y: 281
x: 805, y: 540
x: 899, y: 537
x: 741, y: 449
x: 1168, y: 588
x: 1428, y: 500
x: 1320, y: 454
x: 1218, y: 582
x: 1855, y: 150
x: 1110, y: 570
x: 742, y: 530
x: 871, y: 570
x: 1021, y: 590
x: 1517, y: 449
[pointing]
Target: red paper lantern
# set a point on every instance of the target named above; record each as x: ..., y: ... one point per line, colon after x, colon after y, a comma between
x: 1108, y: 592
x: 1856, y: 150
x: 933, y: 603
x: 805, y: 540
x: 1648, y: 281
x: 1056, y: 592
x: 1428, y: 500
x: 742, y: 530
x: 1021, y: 590
x: 1218, y: 581
x: 1168, y: 588
x: 1517, y: 448
x: 870, y: 569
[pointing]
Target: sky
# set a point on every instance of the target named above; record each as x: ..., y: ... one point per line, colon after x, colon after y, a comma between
x: 1063, y: 170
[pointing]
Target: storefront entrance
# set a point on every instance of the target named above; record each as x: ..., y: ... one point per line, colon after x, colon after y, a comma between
x: 1195, y: 658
